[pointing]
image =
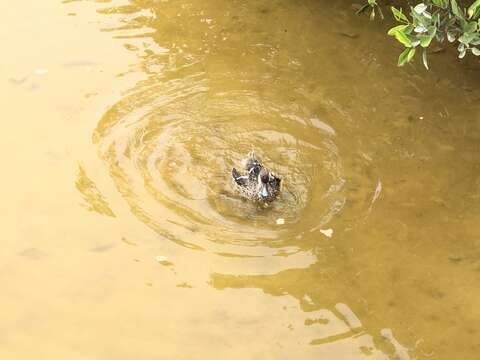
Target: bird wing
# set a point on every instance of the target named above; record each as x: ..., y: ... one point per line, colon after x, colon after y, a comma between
x: 241, y: 180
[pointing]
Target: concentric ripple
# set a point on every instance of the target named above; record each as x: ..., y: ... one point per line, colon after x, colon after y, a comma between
x: 170, y: 147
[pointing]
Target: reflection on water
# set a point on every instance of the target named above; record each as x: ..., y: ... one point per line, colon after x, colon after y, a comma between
x: 91, y: 194
x: 337, y: 329
x: 378, y: 257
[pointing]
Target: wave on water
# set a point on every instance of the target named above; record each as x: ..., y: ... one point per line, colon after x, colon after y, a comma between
x: 171, y: 144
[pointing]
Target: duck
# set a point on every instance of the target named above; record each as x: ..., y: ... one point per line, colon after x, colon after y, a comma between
x: 258, y: 183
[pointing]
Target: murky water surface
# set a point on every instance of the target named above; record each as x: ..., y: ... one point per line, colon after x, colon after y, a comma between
x: 123, y: 236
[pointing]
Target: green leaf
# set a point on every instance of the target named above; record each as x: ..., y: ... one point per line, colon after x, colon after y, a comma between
x: 402, y: 59
x: 399, y: 33
x: 473, y: 9
x: 415, y: 42
x: 406, y: 56
x: 425, y: 40
x: 420, y: 29
x: 476, y: 51
x: 436, y: 19
x: 456, y: 9
x: 470, y: 27
x: 441, y: 3
x: 398, y: 15
x: 394, y: 29
x: 411, y: 54
x: 420, y: 8
x: 424, y: 58
x: 475, y: 41
x: 462, y: 49
x: 451, y: 36
x: 476, y: 15
x: 467, y: 37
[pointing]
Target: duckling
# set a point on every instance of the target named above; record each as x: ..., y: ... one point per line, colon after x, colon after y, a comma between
x: 258, y: 183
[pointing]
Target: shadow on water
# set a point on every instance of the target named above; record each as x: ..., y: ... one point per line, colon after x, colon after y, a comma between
x: 382, y: 156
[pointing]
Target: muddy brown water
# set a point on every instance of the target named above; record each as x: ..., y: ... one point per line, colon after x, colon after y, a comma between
x: 124, y: 238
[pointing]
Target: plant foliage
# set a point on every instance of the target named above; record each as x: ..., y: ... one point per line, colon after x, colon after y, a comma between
x: 442, y: 20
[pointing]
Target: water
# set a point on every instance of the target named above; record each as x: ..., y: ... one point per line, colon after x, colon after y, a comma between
x: 124, y: 237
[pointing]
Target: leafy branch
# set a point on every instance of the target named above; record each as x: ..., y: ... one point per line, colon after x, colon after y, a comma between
x: 442, y: 20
